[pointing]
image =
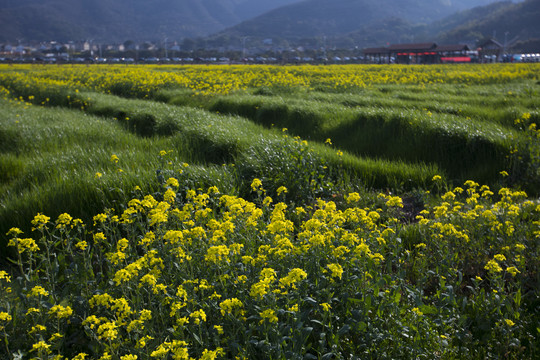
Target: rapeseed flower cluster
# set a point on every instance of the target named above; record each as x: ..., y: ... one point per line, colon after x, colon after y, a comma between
x: 217, y: 268
x: 145, y: 81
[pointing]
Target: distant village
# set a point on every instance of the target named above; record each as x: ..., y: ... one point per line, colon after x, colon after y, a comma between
x: 129, y: 52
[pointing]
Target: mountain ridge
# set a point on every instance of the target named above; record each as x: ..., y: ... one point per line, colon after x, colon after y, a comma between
x: 120, y: 20
x: 332, y: 17
x: 346, y: 23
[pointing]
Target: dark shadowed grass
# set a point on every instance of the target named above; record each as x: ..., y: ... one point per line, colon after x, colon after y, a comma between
x: 388, y: 127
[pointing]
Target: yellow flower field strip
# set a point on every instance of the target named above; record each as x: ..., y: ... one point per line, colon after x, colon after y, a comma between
x: 221, y: 79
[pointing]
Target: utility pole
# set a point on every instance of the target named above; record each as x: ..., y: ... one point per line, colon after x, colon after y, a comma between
x: 165, y: 45
x: 244, y: 46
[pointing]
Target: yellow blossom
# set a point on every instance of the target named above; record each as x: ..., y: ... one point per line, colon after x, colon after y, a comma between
x: 108, y: 331
x: 509, y: 322
x: 198, y: 316
x: 41, y: 346
x: 293, y: 277
x: 493, y: 266
x: 128, y: 357
x: 60, y: 311
x: 499, y: 257
x: 512, y: 270
x: 352, y: 198
x: 14, y: 232
x: 38, y: 291
x: 211, y: 355
x: 24, y: 244
x: 81, y: 245
x: 256, y: 185
x: 63, y: 221
x: 293, y: 308
x: 336, y: 269
x: 232, y: 306
x: 326, y: 307
x: 169, y: 196
x: 4, y: 316
x: 269, y: 315
x: 417, y: 311
x: 40, y: 221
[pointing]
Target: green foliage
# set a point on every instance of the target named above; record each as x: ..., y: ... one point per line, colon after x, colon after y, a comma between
x: 217, y: 273
x: 144, y: 228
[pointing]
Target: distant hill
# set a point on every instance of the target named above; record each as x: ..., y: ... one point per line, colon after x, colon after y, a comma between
x: 459, y: 27
x: 120, y: 20
x: 342, y: 23
x: 360, y: 23
x: 317, y: 18
x: 520, y: 21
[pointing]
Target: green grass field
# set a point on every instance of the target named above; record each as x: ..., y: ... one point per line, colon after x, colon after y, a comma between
x: 267, y: 212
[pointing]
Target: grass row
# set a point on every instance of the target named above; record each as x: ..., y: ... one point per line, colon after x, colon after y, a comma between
x: 464, y: 128
x: 464, y: 147
x: 52, y: 157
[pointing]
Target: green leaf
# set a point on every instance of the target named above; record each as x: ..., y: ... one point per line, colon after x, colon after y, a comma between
x: 344, y: 330
x: 311, y: 301
x: 397, y: 297
x: 428, y: 309
x: 362, y: 326
x: 197, y: 338
x: 306, y: 331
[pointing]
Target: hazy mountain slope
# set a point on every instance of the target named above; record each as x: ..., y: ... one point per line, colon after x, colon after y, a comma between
x: 397, y: 30
x: 247, y: 9
x: 332, y: 17
x: 519, y: 21
x: 119, y: 20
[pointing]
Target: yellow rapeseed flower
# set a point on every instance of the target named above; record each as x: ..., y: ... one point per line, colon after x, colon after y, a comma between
x: 4, y: 316
x: 41, y: 346
x: 326, y: 307
x: 38, y: 291
x: 512, y: 270
x: 336, y: 269
x: 232, y: 306
x: 293, y: 277
x: 60, y: 311
x: 269, y: 315
x: 63, y: 220
x: 493, y: 266
x: 417, y: 311
x: 256, y: 184
x: 128, y: 357
x: 40, y: 221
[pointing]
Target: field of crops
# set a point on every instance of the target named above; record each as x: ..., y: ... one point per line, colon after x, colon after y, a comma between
x: 267, y: 212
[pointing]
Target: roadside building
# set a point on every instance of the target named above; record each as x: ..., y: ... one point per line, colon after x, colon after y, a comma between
x: 419, y: 53
x: 490, y: 51
x: 379, y: 55
x: 459, y: 53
